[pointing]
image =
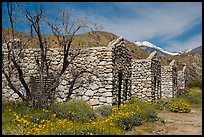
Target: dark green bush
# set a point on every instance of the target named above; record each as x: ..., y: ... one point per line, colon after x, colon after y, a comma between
x: 195, y: 83
x: 105, y: 110
x: 75, y: 110
x: 149, y: 110
x: 126, y: 116
x: 161, y: 104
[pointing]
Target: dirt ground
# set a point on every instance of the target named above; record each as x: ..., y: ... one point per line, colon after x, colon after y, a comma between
x: 175, y: 124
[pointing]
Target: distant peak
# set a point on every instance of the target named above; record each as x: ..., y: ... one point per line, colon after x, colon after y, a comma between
x: 150, y: 45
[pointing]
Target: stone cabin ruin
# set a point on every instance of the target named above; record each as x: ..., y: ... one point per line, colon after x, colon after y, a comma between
x: 146, y: 78
x: 169, y: 80
x: 183, y: 81
x: 98, y: 75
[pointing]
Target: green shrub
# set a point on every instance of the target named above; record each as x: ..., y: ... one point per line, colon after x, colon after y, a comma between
x: 75, y: 110
x: 105, y: 110
x: 134, y: 113
x: 195, y: 83
x: 179, y: 105
x: 126, y: 116
x: 195, y: 96
x: 160, y: 105
x: 149, y: 110
x: 97, y: 128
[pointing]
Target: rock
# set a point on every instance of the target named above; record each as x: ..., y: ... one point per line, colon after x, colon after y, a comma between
x: 15, y: 96
x: 101, y: 90
x: 85, y: 98
x: 89, y: 93
x: 64, y: 82
x: 107, y: 94
x: 102, y: 99
x: 108, y: 70
x: 94, y: 86
x: 59, y: 100
x: 108, y: 86
x: 61, y: 88
x: 94, y: 102
x: 102, y: 63
x: 109, y: 99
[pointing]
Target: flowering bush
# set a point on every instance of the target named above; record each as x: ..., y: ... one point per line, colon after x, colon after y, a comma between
x: 18, y: 118
x: 179, y: 105
x: 105, y: 110
x: 149, y: 112
x: 15, y: 123
x: 126, y: 116
x: 75, y: 110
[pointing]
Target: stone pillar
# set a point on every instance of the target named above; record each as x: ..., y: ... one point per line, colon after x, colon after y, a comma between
x: 169, y: 84
x: 183, y: 81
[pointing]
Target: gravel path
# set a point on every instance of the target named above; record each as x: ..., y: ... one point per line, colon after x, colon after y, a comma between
x: 175, y: 124
x: 183, y: 123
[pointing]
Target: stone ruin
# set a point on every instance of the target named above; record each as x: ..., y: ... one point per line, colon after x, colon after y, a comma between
x: 169, y: 85
x: 146, y: 78
x: 183, y: 81
x: 99, y: 75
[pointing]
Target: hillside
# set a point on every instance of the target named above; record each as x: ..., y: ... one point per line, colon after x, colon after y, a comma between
x: 80, y: 41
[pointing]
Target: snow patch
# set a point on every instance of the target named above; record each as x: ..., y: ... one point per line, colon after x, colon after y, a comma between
x: 148, y: 44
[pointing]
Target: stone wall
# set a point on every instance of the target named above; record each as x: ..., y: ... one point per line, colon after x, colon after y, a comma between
x: 93, y: 71
x: 146, y: 78
x: 183, y: 81
x: 121, y: 71
x: 169, y: 80
x: 99, y: 75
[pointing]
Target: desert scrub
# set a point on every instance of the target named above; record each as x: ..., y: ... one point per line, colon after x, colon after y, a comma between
x: 33, y: 121
x: 179, y: 105
x: 126, y: 116
x: 195, y: 95
x: 149, y: 110
x: 90, y: 128
x: 104, y: 110
x: 75, y: 110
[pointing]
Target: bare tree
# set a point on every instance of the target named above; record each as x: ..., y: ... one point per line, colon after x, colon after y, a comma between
x: 13, y: 57
x: 64, y: 30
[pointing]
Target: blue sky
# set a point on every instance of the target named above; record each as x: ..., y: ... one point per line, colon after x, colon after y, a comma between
x: 174, y: 26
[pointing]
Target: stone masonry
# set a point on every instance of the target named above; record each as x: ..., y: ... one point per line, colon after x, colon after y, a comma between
x: 183, y: 81
x: 169, y: 80
x: 93, y: 72
x: 98, y: 75
x: 146, y: 78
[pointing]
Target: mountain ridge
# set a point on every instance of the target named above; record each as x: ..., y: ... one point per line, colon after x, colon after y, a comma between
x: 146, y: 45
x: 149, y: 47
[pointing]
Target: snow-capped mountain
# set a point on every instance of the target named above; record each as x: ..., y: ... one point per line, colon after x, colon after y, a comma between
x: 149, y: 47
x: 186, y: 51
x: 197, y: 49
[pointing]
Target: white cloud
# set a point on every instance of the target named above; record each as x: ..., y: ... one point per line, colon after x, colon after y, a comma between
x: 165, y: 21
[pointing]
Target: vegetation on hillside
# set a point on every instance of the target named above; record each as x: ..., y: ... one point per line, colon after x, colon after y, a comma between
x: 84, y: 40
